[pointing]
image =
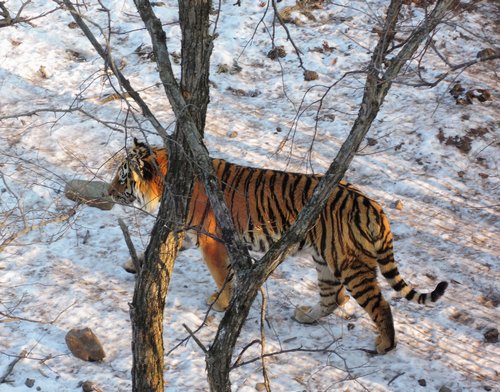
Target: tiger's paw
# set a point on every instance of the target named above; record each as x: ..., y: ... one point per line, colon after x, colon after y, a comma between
x: 305, y: 314
x: 384, y: 345
x: 218, y: 304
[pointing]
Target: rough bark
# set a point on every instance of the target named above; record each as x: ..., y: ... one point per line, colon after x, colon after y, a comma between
x: 238, y: 253
x: 153, y: 280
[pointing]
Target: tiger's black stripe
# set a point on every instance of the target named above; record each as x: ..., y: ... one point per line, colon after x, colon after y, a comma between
x: 350, y: 239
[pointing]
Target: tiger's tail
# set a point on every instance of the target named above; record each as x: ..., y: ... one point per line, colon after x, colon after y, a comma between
x: 389, y: 269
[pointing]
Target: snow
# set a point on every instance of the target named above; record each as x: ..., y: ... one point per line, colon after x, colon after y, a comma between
x: 68, y: 274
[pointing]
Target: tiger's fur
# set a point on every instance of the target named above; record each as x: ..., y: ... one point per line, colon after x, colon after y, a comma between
x: 350, y: 239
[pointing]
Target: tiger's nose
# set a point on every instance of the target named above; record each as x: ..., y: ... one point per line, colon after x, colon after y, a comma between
x: 112, y: 191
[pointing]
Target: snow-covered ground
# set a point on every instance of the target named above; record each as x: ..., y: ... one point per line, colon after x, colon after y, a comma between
x: 438, y: 158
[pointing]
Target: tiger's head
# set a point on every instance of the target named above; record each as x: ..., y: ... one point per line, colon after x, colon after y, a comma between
x: 139, y: 177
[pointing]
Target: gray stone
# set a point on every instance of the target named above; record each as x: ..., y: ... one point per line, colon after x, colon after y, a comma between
x: 29, y: 382
x: 92, y: 193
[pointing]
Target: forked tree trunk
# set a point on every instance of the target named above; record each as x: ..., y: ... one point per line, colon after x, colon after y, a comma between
x: 147, y: 309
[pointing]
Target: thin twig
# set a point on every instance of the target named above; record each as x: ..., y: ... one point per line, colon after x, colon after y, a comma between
x: 29, y: 229
x: 11, y: 317
x: 237, y: 363
x: 203, y: 323
x: 106, y: 56
x: 7, y: 20
x: 289, y: 36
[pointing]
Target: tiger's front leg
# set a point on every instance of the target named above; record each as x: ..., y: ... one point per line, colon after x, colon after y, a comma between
x: 217, y: 260
x: 331, y: 292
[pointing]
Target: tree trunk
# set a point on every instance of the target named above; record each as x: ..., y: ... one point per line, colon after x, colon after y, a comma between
x: 196, y: 51
x: 152, y: 283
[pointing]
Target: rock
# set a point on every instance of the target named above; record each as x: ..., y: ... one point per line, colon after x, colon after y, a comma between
x: 456, y: 90
x: 490, y: 300
x: 491, y: 335
x: 422, y: 382
x: 485, y: 53
x: 260, y: 386
x: 92, y: 193
x: 232, y: 134
x: 350, y: 326
x: 90, y: 386
x: 29, y: 382
x: 84, y: 344
x: 276, y: 52
x: 444, y: 389
x: 223, y: 68
x: 310, y: 75
x: 42, y: 72
x: 398, y: 205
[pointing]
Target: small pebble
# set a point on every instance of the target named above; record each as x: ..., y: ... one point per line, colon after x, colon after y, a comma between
x: 29, y: 382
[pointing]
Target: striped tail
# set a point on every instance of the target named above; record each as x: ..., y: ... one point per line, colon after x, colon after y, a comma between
x: 389, y: 270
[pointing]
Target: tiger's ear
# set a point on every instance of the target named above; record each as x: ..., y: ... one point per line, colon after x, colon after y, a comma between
x: 143, y: 167
x: 141, y: 150
x: 140, y: 160
x: 147, y: 171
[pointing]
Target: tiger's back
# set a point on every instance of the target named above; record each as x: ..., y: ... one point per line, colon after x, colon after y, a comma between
x: 349, y: 240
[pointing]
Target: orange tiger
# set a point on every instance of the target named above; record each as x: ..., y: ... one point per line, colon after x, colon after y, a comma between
x: 350, y: 239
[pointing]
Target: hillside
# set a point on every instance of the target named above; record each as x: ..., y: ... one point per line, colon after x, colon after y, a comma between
x: 431, y: 150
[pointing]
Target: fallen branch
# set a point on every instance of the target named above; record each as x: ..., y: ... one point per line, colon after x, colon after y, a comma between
x: 11, y: 366
x: 198, y: 342
x: 291, y: 350
x: 396, y: 376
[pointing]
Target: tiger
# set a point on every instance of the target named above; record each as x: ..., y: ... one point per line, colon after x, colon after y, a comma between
x: 349, y: 241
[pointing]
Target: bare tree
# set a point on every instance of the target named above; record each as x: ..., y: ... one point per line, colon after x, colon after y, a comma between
x: 188, y: 102
x: 377, y: 85
x: 154, y: 277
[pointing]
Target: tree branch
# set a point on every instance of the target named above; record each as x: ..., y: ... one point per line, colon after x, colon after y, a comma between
x: 108, y: 59
x: 377, y: 85
x: 265, y: 375
x: 237, y: 251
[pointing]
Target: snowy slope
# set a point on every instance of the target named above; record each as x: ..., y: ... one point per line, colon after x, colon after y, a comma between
x: 438, y: 158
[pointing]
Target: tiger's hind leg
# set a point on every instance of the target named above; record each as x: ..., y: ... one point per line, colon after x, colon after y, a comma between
x: 331, y: 292
x: 361, y: 281
x: 217, y: 260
